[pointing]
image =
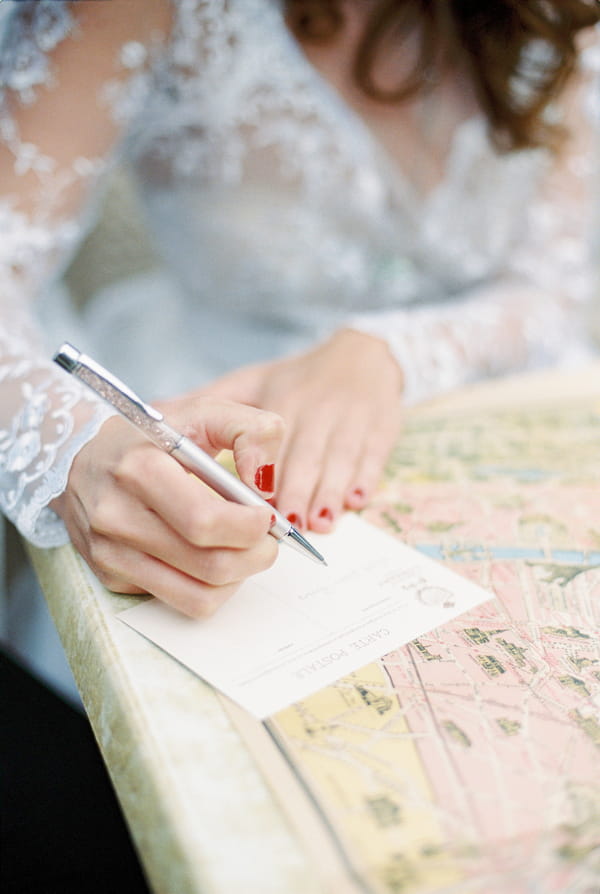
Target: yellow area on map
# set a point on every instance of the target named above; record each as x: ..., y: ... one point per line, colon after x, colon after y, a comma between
x: 353, y: 741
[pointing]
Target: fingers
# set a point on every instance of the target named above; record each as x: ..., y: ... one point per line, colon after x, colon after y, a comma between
x: 344, y: 454
x: 140, y: 528
x: 377, y: 448
x: 254, y: 436
x: 132, y: 549
x: 326, y: 469
x: 256, y: 452
x: 302, y: 462
x: 184, y: 502
x: 193, y: 597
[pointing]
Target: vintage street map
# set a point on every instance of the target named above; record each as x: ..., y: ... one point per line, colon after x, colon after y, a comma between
x: 469, y: 760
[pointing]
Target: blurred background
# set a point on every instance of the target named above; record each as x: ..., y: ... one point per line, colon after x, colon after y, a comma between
x: 119, y: 246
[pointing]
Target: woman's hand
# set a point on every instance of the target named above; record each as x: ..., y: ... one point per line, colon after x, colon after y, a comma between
x: 341, y: 406
x: 146, y: 525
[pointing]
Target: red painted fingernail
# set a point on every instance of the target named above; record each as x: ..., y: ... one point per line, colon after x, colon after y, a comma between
x: 264, y: 478
x: 295, y: 519
x: 358, y: 492
x: 326, y: 513
x: 273, y: 520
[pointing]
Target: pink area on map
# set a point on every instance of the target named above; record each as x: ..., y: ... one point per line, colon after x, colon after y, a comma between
x: 504, y: 701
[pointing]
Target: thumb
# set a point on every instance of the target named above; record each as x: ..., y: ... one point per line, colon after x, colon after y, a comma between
x: 254, y: 436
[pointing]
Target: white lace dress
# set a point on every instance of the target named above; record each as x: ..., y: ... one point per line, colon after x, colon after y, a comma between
x: 278, y: 215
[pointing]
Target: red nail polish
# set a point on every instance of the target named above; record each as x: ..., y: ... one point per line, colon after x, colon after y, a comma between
x: 264, y: 478
x: 273, y: 520
x: 358, y: 492
x: 326, y: 513
x: 295, y: 519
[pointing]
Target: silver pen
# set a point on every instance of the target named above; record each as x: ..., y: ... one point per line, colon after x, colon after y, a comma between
x: 151, y: 423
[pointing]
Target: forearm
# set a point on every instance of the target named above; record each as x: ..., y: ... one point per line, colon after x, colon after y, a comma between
x: 505, y: 327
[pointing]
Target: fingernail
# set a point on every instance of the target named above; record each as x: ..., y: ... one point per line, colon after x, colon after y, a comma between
x: 357, y: 498
x: 264, y: 478
x: 295, y: 520
x: 273, y: 520
x: 326, y: 514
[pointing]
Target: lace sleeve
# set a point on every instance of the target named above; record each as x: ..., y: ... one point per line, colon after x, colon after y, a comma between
x: 73, y: 78
x: 534, y: 313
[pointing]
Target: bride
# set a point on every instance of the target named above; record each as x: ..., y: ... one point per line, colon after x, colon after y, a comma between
x: 358, y: 205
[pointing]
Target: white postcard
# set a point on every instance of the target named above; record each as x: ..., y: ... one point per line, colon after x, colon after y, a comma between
x: 299, y: 626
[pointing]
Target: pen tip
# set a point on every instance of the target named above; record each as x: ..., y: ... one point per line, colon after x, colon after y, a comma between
x: 294, y: 538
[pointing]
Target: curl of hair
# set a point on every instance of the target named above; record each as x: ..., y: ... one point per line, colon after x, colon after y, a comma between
x: 518, y: 54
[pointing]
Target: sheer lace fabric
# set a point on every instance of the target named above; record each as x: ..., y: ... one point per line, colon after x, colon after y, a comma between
x: 486, y: 273
x: 46, y: 206
x: 280, y: 218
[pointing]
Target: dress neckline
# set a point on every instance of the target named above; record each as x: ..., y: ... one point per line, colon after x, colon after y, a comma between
x: 335, y: 106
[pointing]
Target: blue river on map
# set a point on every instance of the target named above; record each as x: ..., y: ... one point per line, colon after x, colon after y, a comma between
x: 477, y: 553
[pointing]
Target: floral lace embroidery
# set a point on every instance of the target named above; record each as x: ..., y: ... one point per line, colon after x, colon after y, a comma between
x: 46, y: 416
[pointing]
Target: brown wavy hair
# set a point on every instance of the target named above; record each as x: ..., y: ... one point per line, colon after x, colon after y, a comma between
x: 518, y: 54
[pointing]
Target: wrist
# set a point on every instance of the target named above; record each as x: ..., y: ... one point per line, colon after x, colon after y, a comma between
x: 369, y: 348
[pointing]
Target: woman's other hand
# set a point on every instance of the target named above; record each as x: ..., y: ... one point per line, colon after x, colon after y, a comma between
x: 341, y: 404
x: 146, y: 525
